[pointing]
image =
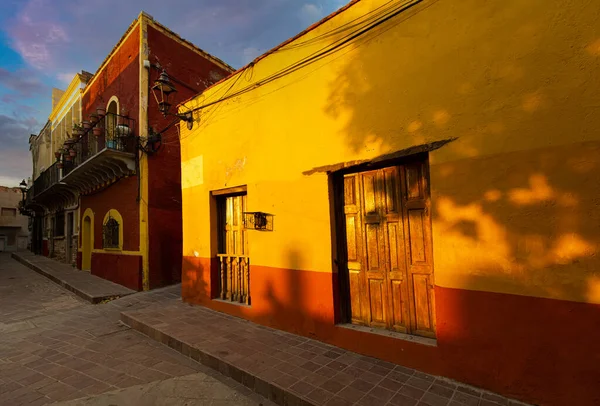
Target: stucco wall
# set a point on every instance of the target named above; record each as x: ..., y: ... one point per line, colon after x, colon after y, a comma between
x: 12, y: 228
x: 514, y: 196
x: 192, y: 72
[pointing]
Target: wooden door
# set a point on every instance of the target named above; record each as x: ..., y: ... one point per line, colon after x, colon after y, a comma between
x: 69, y: 237
x: 235, y: 242
x: 388, y: 249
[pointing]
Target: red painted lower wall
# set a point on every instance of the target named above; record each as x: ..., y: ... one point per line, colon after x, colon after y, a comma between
x: 125, y: 270
x: 538, y: 350
x: 165, y: 247
x: 45, y: 249
x: 78, y: 260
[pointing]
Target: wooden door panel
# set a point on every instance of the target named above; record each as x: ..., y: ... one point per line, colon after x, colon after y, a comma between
x: 372, y: 242
x: 422, y: 288
x: 414, y: 181
x: 369, y: 198
x: 376, y: 302
x: 396, y: 252
x: 418, y: 246
x: 352, y: 237
x: 354, y: 253
x: 392, y: 203
x: 416, y: 225
x: 398, y: 294
x: 356, y: 296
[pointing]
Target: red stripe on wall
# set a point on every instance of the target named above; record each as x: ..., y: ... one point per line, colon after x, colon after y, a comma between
x: 539, y: 350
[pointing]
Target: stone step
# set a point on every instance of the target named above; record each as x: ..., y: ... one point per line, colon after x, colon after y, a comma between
x: 85, y: 285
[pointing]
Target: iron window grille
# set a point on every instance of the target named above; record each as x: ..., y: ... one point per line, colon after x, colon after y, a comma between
x: 110, y: 233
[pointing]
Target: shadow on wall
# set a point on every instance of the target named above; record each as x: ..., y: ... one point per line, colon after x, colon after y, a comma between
x: 516, y: 199
x: 292, y: 302
x: 517, y: 213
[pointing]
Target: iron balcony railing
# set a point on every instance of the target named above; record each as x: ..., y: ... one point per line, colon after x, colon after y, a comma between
x: 29, y: 195
x: 46, y: 179
x: 234, y: 278
x: 111, y: 131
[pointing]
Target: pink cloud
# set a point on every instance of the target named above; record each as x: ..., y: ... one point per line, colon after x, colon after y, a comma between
x: 36, y: 35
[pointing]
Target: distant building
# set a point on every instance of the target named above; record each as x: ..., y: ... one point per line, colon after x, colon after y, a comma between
x: 55, y: 207
x: 112, y: 198
x: 14, y: 233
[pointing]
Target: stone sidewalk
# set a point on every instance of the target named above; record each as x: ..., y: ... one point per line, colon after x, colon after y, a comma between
x: 189, y: 390
x: 54, y: 346
x: 294, y: 370
x: 87, y: 286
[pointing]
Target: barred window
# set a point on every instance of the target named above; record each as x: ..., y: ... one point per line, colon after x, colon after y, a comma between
x: 110, y: 233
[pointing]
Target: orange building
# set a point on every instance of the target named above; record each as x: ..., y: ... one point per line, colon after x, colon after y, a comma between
x: 416, y: 181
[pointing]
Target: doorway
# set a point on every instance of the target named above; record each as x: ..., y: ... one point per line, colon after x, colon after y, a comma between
x: 69, y: 238
x: 388, y: 273
x: 87, y: 230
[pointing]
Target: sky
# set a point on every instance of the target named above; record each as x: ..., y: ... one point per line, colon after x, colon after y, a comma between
x: 43, y: 43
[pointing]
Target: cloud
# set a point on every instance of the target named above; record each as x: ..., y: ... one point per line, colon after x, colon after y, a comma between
x: 36, y: 35
x: 65, y: 78
x: 15, y: 160
x: 15, y: 131
x: 23, y: 83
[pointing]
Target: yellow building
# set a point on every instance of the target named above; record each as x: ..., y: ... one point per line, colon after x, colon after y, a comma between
x: 55, y: 224
x: 431, y: 173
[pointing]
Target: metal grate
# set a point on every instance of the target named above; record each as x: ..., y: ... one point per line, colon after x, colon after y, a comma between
x: 110, y: 233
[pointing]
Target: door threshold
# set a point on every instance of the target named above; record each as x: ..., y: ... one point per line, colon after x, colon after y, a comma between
x: 430, y: 342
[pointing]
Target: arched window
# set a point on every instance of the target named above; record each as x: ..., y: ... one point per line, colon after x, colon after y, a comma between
x: 112, y: 231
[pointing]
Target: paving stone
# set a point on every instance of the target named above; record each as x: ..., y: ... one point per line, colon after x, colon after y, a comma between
x: 441, y: 391
x: 432, y: 399
x: 412, y: 392
x: 59, y: 331
x: 465, y: 399
x: 402, y: 400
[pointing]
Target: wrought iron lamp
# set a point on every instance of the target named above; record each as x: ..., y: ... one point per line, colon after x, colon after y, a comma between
x: 162, y: 89
x: 23, y: 187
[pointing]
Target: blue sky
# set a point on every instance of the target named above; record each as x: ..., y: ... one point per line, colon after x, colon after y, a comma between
x: 43, y: 43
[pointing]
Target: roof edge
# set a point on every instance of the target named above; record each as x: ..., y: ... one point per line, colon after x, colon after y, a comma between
x: 281, y: 45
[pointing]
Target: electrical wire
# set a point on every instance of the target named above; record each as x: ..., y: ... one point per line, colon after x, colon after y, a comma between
x: 323, y: 52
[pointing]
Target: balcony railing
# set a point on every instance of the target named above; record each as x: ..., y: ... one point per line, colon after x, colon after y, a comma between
x: 49, y: 177
x: 234, y: 278
x: 112, y: 132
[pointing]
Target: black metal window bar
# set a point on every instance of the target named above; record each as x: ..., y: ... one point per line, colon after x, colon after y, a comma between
x: 111, y: 131
x: 110, y: 233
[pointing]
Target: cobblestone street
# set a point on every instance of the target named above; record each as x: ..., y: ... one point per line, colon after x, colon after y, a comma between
x: 54, y: 347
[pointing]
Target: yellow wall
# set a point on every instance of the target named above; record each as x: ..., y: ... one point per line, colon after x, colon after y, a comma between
x: 515, y: 198
x: 66, y: 112
x: 41, y: 150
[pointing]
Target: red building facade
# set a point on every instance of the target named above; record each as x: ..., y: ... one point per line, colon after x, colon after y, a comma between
x: 130, y: 225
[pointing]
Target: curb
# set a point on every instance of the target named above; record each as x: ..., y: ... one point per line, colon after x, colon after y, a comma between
x: 81, y: 294
x: 264, y: 388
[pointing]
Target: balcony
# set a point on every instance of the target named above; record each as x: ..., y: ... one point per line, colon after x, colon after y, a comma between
x: 48, y: 191
x: 104, y: 153
x: 46, y: 180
